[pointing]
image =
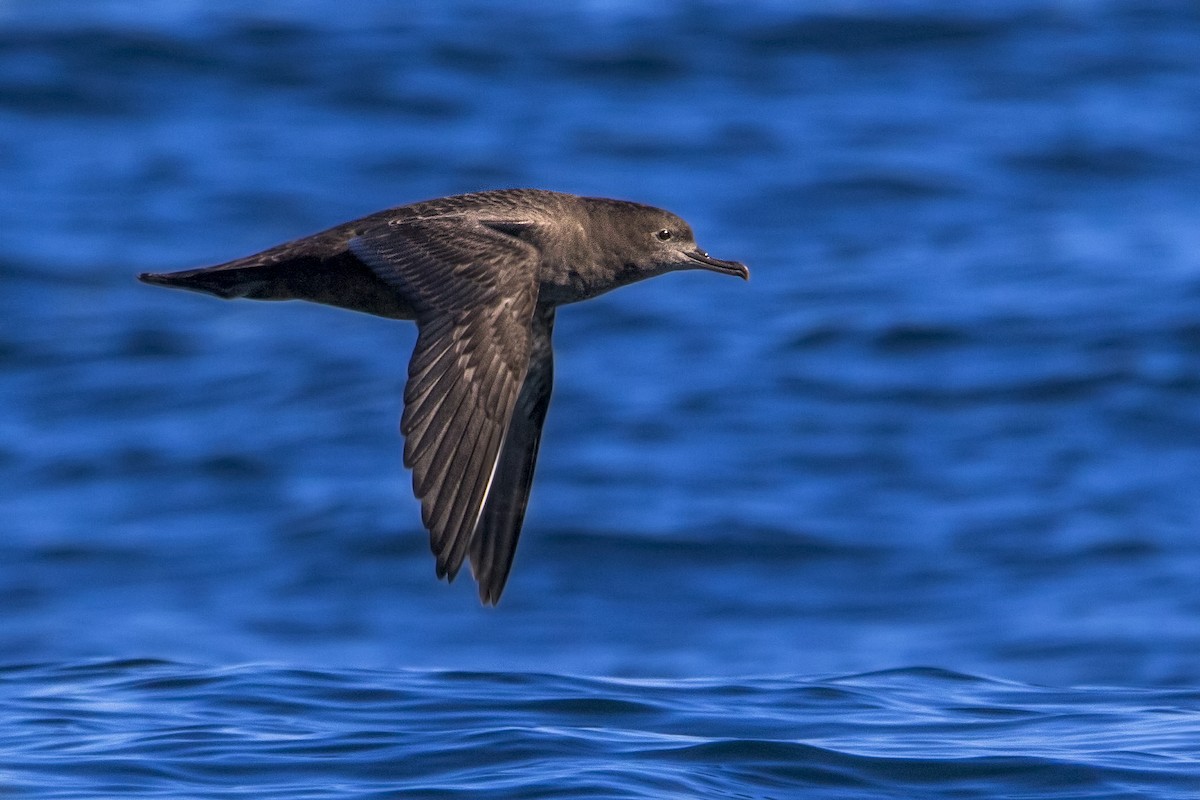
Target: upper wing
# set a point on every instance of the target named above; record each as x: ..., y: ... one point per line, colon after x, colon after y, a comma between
x: 495, y: 539
x: 474, y: 290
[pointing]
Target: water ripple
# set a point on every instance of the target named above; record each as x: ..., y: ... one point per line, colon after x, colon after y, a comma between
x: 171, y: 729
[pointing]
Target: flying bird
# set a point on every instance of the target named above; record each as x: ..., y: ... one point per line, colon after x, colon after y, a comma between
x: 482, y: 275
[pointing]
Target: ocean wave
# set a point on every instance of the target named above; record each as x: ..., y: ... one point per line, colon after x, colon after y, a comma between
x: 148, y: 727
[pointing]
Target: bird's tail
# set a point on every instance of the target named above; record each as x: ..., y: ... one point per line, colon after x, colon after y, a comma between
x: 247, y: 277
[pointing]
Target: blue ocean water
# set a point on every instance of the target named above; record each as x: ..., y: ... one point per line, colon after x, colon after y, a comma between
x: 912, y: 514
x: 163, y: 729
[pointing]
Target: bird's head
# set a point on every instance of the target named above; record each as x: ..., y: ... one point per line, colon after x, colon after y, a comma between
x: 657, y: 241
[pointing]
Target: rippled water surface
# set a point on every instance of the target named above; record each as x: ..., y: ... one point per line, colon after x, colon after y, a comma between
x: 154, y: 728
x: 936, y: 463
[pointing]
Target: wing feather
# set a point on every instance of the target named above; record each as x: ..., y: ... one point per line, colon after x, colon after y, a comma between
x: 474, y: 290
x: 495, y: 541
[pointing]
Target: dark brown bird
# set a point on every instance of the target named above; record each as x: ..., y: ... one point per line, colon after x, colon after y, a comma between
x: 482, y: 275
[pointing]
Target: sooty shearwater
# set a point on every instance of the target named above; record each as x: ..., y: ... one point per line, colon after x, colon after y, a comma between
x: 482, y: 275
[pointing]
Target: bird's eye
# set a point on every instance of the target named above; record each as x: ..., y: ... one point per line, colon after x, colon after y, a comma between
x: 663, y: 235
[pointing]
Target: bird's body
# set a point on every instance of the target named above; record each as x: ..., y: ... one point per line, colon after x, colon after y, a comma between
x: 482, y: 275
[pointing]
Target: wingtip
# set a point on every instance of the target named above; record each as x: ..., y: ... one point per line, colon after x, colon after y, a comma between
x: 489, y: 593
x: 491, y: 586
x: 444, y: 572
x: 488, y: 597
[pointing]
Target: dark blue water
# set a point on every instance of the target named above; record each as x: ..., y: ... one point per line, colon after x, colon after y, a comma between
x: 161, y: 729
x: 912, y: 514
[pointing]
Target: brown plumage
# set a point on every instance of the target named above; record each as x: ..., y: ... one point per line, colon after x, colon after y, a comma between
x: 482, y: 275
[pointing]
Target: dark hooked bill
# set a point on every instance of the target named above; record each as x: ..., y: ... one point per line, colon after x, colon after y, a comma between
x: 717, y: 265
